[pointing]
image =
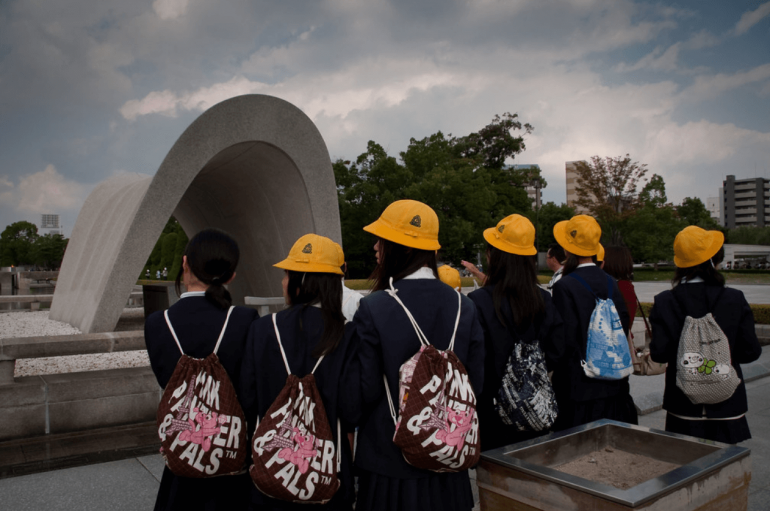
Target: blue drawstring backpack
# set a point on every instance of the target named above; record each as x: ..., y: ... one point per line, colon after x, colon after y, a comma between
x: 607, y: 354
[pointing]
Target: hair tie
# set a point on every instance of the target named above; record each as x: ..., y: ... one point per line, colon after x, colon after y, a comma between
x: 216, y: 281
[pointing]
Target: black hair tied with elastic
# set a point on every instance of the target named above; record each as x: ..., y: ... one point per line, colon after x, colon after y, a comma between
x: 212, y: 256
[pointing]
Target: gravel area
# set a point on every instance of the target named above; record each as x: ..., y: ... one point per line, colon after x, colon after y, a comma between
x: 33, y: 324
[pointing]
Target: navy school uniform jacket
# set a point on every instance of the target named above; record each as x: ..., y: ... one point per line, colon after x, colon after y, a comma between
x: 197, y: 323
x: 499, y: 341
x: 575, y: 305
x: 733, y: 315
x: 387, y: 340
x: 264, y: 375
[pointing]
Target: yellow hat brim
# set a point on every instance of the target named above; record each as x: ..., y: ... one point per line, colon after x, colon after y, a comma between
x: 716, y: 242
x: 384, y: 231
x: 307, y: 267
x: 492, y: 238
x: 560, y: 234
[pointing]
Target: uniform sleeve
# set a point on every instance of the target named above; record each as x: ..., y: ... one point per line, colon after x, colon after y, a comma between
x: 369, y: 354
x: 552, y: 335
x: 160, y: 362
x: 349, y: 398
x: 665, y: 339
x: 747, y: 348
x: 475, y: 366
x: 567, y: 309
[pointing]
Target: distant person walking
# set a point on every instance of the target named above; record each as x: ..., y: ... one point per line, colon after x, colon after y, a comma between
x: 512, y: 309
x: 554, y: 259
x: 583, y: 399
x: 619, y: 264
x: 698, y: 290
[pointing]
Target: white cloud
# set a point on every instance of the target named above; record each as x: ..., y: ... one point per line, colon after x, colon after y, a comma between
x: 751, y: 18
x: 44, y: 191
x: 708, y: 87
x: 170, y: 9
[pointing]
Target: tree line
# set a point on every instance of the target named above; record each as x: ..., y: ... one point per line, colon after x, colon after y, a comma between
x: 21, y: 245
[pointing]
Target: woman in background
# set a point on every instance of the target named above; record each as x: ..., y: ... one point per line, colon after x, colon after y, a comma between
x: 619, y: 264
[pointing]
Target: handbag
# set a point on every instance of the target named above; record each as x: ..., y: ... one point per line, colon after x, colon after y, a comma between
x: 644, y: 365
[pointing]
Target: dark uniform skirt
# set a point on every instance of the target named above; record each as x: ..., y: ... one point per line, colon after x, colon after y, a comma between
x: 446, y: 491
x: 216, y: 493
x: 725, y: 431
x: 576, y: 413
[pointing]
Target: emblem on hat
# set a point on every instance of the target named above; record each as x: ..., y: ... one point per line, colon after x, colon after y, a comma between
x: 308, y: 249
x: 501, y: 228
x: 573, y: 233
x: 416, y: 221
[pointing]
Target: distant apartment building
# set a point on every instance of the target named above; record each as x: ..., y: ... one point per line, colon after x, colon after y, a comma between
x: 572, y: 196
x: 745, y: 202
x: 713, y: 205
x: 50, y: 223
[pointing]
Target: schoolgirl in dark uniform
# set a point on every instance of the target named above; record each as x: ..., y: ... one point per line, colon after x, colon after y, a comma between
x: 209, y: 263
x: 700, y: 289
x: 582, y: 399
x: 512, y: 308
x: 312, y: 326
x: 407, y: 234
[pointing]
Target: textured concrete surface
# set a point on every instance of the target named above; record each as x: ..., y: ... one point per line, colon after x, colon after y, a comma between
x: 255, y: 166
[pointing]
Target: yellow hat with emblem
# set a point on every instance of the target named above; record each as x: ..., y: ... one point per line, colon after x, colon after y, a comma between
x: 315, y: 254
x: 409, y: 223
x: 579, y: 235
x: 514, y: 234
x: 450, y: 276
x: 694, y: 246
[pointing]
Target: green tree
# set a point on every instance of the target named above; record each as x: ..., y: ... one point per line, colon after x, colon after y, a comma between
x: 16, y: 243
x: 549, y: 215
x: 167, y: 252
x: 606, y: 187
x: 48, y: 251
x: 649, y: 233
x: 749, y: 235
x: 693, y: 212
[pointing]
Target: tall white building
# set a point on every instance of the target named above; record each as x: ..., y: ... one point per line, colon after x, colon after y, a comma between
x: 50, y: 223
x: 713, y: 205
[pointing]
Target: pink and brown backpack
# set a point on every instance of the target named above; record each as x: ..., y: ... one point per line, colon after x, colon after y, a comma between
x: 201, y: 425
x: 437, y: 427
x: 295, y: 457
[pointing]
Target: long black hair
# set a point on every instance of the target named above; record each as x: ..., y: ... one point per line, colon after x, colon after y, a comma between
x: 398, y: 261
x: 212, y: 256
x: 515, y: 280
x: 311, y: 288
x: 618, y: 262
x: 706, y: 270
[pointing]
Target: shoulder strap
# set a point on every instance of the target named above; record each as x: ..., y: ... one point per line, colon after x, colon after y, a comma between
x: 221, y: 334
x: 283, y: 353
x: 173, y: 332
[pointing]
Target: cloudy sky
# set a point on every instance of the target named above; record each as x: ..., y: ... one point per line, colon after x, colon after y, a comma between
x: 92, y: 89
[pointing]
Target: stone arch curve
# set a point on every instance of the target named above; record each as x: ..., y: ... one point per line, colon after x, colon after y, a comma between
x: 255, y: 166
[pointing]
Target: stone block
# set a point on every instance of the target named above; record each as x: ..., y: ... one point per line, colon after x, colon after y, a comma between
x: 102, y: 412
x: 22, y: 421
x: 158, y: 297
x: 25, y: 391
x: 54, y: 346
x: 7, y: 369
x: 69, y: 387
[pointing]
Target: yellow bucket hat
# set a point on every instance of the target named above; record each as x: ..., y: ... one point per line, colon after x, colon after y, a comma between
x: 409, y: 223
x: 450, y: 276
x: 579, y: 235
x: 315, y: 254
x: 600, y: 254
x: 514, y: 234
x: 694, y: 246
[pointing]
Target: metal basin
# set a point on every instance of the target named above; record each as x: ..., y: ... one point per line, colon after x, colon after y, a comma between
x: 710, y: 475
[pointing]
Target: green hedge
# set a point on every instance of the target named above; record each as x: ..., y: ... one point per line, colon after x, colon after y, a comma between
x: 761, y: 312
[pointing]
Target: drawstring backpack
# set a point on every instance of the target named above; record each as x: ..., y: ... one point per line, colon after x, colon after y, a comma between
x: 200, y: 422
x: 436, y: 428
x: 293, y: 449
x: 704, y: 368
x: 608, y: 356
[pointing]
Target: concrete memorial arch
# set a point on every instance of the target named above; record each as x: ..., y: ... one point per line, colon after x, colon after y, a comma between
x: 255, y: 166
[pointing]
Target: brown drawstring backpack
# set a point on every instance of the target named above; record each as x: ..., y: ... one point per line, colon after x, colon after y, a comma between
x: 437, y: 427
x: 200, y: 422
x: 293, y: 449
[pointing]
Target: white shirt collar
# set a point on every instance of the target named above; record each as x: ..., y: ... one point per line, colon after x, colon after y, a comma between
x: 585, y: 264
x: 421, y: 273
x: 193, y: 293
x: 693, y: 281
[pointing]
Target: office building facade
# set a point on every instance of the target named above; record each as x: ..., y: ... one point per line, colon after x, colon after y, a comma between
x: 745, y: 202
